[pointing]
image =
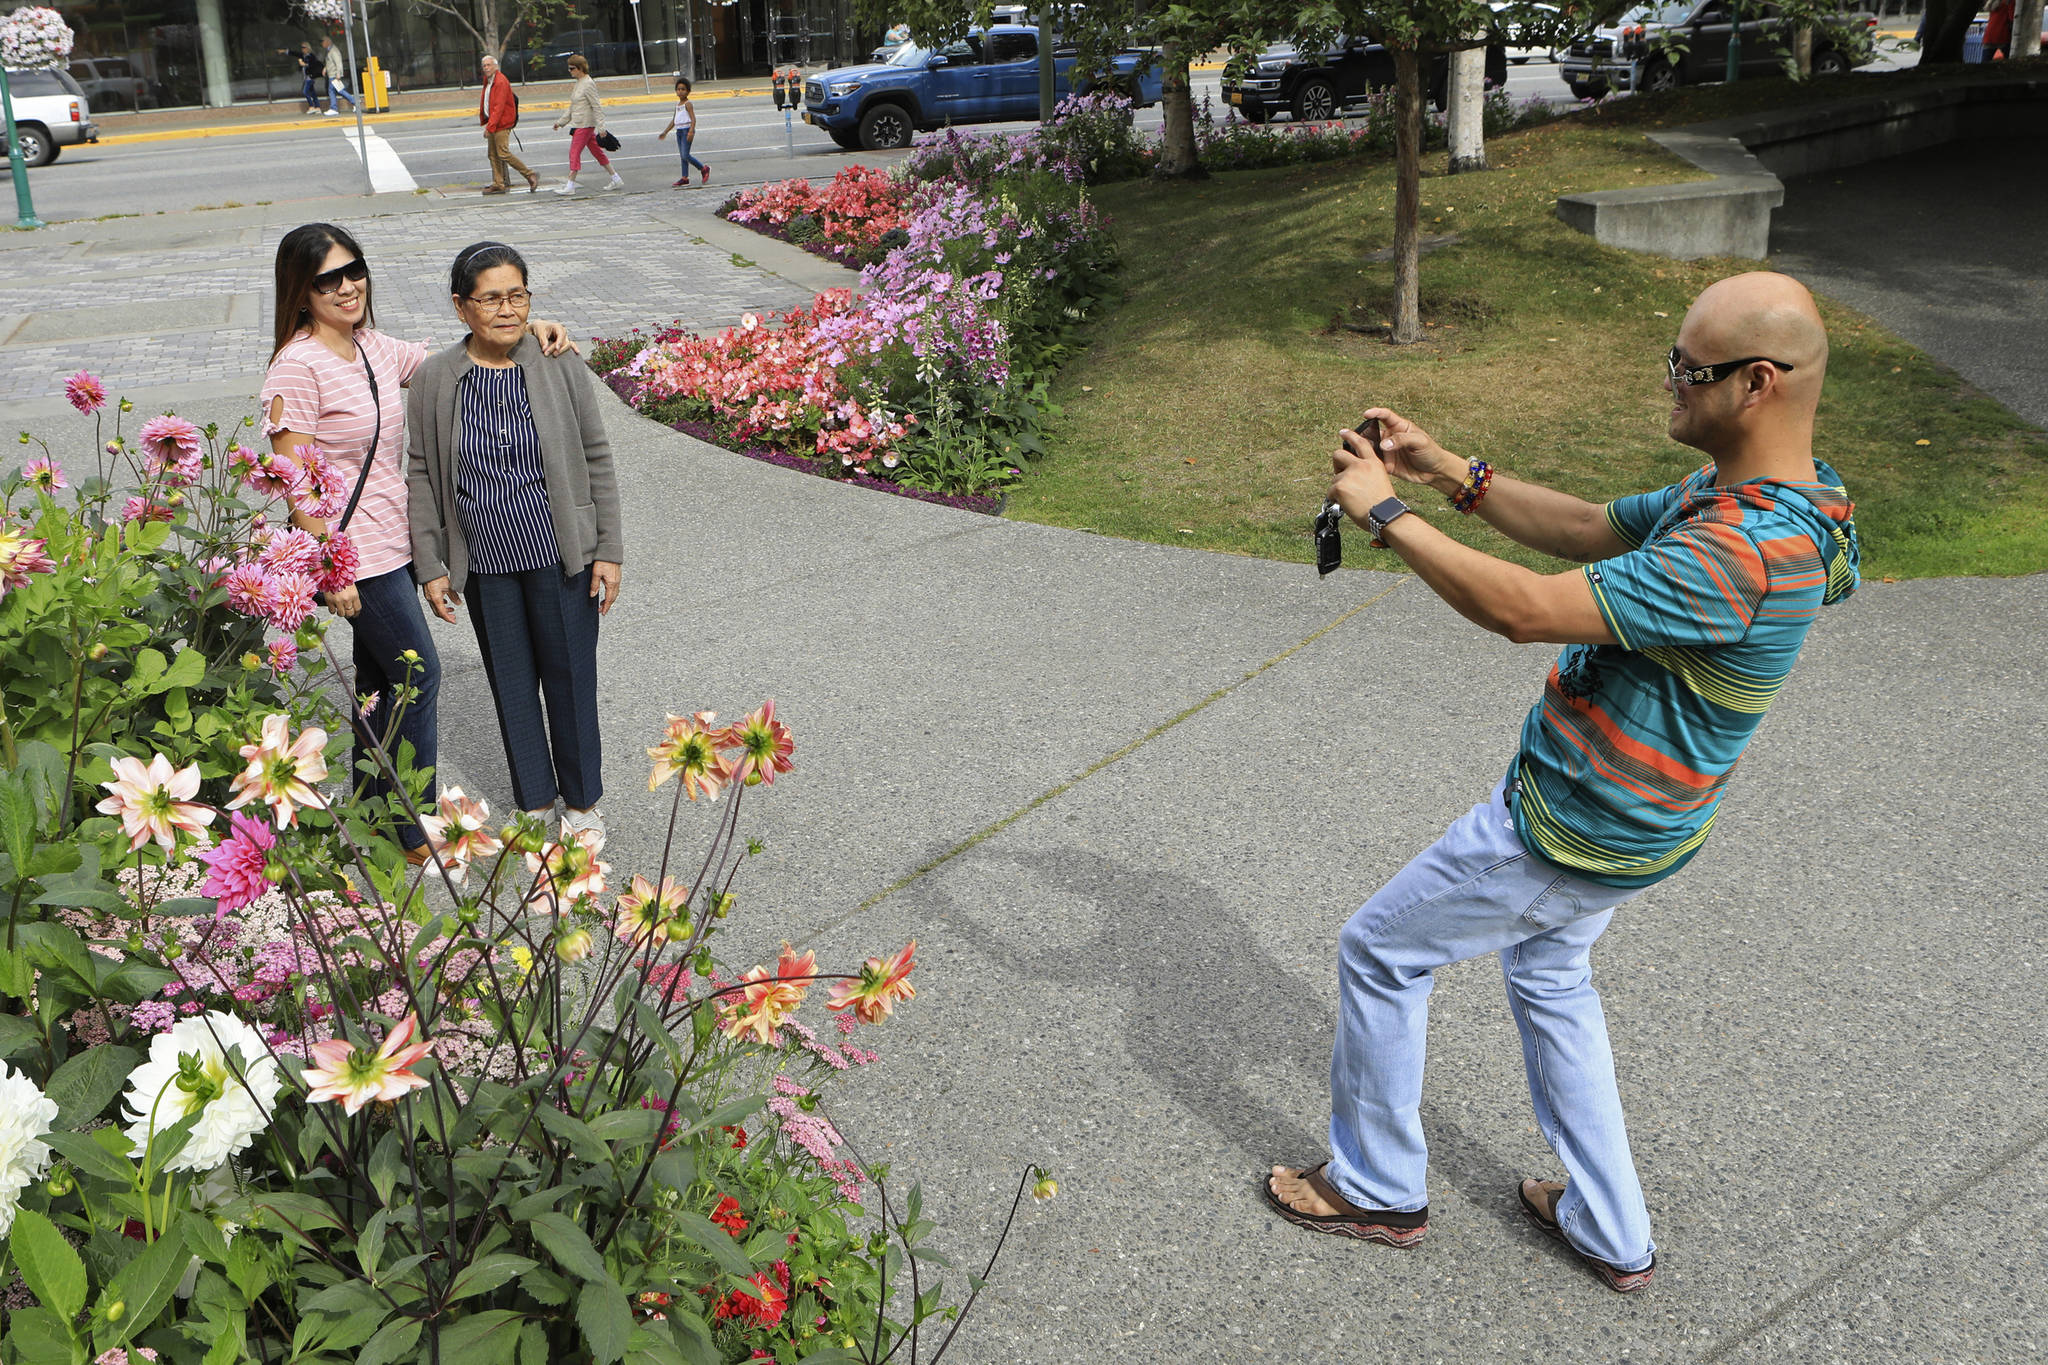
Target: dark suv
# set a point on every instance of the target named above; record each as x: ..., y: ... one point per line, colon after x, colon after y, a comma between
x: 1685, y: 42
x: 1285, y: 80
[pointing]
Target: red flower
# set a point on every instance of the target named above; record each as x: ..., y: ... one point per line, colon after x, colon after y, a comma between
x: 728, y: 1216
x: 739, y: 1136
x: 765, y: 1306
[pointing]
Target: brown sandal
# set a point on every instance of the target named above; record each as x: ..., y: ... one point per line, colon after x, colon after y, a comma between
x: 1395, y: 1229
x: 1544, y: 1215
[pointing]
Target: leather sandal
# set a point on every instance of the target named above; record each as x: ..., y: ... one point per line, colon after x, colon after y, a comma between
x: 532, y: 182
x: 1387, y: 1226
x: 1542, y: 1209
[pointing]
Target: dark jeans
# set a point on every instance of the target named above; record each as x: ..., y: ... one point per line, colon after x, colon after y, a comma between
x: 538, y: 633
x: 390, y: 623
x: 312, y: 95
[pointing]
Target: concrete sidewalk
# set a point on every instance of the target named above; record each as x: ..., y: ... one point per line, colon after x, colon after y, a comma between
x: 1124, y: 796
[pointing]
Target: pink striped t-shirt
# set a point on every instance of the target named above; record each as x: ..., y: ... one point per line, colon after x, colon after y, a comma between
x: 329, y: 398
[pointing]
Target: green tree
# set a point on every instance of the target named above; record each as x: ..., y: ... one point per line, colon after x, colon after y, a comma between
x: 493, y: 22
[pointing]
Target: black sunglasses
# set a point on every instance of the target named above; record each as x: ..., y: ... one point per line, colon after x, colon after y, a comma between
x: 327, y: 281
x: 1712, y: 374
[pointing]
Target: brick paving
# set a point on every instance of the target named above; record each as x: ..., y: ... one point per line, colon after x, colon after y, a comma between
x: 601, y: 265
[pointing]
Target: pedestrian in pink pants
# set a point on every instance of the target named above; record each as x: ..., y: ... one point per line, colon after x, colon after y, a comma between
x: 586, y: 122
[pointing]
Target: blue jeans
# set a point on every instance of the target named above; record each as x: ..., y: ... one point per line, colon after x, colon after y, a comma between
x: 683, y: 141
x: 389, y: 624
x: 312, y: 95
x: 338, y: 87
x: 1478, y: 890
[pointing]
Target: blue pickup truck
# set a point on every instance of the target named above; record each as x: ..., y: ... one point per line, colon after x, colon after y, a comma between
x: 988, y: 76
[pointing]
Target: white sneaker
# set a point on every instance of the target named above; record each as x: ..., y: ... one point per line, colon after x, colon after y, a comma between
x: 576, y: 822
x: 615, y: 183
x: 332, y: 114
x: 566, y: 187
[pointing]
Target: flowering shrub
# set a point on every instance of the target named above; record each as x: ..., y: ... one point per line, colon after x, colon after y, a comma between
x: 849, y: 217
x: 34, y: 36
x: 290, y: 1106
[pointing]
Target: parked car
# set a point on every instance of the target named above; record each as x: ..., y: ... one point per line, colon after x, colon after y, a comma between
x: 988, y: 76
x: 1664, y: 45
x: 110, y: 83
x: 1285, y: 80
x: 50, y: 113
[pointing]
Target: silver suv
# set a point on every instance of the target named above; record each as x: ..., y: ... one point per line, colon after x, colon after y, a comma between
x: 50, y: 113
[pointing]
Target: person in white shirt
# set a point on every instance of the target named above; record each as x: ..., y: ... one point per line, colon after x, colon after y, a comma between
x: 685, y: 127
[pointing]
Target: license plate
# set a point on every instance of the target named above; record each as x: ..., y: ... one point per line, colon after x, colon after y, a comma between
x: 1237, y: 97
x: 807, y: 116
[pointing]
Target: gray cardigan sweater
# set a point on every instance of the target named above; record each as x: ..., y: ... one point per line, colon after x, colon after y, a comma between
x: 583, y: 492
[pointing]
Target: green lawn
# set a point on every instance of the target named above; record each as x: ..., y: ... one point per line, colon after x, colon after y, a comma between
x: 1204, y: 409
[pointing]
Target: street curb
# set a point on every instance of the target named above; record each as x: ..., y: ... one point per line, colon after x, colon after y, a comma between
x: 301, y: 123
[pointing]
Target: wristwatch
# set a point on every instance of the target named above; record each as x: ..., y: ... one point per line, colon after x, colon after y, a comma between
x: 1377, y: 519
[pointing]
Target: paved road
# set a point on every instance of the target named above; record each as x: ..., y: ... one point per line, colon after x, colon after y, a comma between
x: 1123, y: 795
x: 745, y: 140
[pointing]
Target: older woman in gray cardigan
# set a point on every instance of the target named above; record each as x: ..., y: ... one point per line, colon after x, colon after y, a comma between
x: 514, y: 504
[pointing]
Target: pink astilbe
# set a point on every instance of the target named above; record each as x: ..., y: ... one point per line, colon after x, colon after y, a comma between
x: 236, y: 866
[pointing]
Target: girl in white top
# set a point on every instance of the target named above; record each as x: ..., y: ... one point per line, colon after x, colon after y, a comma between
x: 685, y: 126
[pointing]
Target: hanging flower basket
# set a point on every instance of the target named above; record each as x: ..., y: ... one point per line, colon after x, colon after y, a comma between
x: 324, y: 11
x: 34, y: 36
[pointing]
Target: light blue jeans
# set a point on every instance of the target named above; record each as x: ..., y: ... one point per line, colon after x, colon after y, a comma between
x: 684, y: 141
x: 1478, y: 890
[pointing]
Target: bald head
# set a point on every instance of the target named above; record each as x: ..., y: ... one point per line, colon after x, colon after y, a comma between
x: 1761, y: 314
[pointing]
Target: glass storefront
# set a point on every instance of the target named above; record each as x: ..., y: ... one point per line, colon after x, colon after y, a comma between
x: 166, y: 45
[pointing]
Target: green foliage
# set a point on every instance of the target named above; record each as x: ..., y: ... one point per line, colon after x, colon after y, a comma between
x: 612, y: 353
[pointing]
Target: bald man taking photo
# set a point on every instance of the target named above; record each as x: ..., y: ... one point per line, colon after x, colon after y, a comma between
x: 1687, y: 617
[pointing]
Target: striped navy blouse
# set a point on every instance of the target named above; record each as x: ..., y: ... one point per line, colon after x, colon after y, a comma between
x: 501, y: 490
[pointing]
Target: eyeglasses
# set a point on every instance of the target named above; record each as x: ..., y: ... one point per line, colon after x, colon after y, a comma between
x: 1711, y: 374
x: 518, y: 300
x: 327, y: 281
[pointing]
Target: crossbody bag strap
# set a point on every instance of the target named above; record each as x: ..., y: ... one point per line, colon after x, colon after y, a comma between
x: 376, y: 432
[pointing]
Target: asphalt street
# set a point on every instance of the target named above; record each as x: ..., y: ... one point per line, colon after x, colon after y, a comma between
x: 745, y: 140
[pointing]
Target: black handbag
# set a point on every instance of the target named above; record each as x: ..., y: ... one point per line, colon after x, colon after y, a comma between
x: 608, y: 141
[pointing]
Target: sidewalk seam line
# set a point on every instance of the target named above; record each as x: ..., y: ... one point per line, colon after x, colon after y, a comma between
x: 1871, y: 1250
x: 990, y: 831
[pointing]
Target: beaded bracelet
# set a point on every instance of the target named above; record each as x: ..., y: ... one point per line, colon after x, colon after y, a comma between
x: 1478, y: 478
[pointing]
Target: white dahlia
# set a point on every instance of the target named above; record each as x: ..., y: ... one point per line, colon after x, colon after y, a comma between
x: 25, y: 1115
x: 187, y: 1072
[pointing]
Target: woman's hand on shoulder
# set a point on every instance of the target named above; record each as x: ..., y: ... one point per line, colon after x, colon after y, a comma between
x: 552, y: 336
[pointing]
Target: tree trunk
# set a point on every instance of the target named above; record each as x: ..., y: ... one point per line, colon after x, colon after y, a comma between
x: 1408, y: 97
x: 1467, y: 100
x: 1178, y: 156
x: 2026, y: 29
x: 1802, y: 50
x: 1948, y: 23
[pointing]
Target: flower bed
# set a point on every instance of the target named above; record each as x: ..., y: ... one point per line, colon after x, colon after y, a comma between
x: 932, y: 378
x: 264, y: 1097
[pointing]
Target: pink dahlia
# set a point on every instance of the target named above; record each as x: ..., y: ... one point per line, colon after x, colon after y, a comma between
x: 322, y: 488
x: 337, y: 562
x: 271, y: 474
x: 284, y: 655
x: 242, y: 461
x: 290, y: 551
x: 155, y: 801
x: 236, y: 877
x: 249, y: 590
x: 139, y: 508
x: 171, y: 448
x: 44, y: 473
x: 86, y: 393
x: 291, y: 600
x: 21, y: 556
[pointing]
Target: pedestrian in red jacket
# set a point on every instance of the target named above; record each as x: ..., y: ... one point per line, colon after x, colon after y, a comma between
x: 499, y: 114
x: 1998, y: 32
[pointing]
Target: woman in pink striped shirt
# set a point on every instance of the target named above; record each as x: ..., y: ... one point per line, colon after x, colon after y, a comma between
x: 334, y: 382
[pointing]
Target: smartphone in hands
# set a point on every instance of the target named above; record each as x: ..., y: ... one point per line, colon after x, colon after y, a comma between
x: 1369, y: 428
